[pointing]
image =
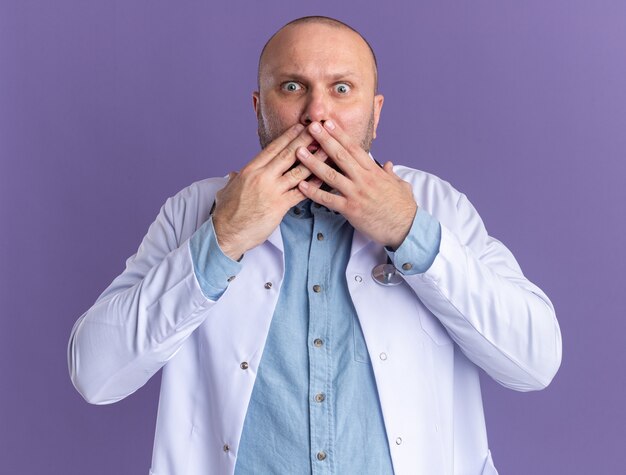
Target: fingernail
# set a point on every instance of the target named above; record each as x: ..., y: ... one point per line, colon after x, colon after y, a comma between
x: 302, y: 152
x: 315, y: 127
x: 298, y: 127
x: 329, y: 124
x: 304, y: 185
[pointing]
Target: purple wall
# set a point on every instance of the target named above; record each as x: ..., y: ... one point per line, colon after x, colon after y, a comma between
x: 108, y: 108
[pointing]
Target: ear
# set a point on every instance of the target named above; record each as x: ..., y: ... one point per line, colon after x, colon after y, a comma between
x: 255, y: 102
x: 378, y: 105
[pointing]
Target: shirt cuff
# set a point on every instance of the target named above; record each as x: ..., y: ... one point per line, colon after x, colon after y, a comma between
x: 214, y: 270
x: 420, y: 247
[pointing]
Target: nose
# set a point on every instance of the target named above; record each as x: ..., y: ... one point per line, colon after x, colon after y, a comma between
x: 317, y: 108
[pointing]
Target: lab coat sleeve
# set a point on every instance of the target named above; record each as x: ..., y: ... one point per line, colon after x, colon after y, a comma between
x: 143, y: 317
x: 500, y: 320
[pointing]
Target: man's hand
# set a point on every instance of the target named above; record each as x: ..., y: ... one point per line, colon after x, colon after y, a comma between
x: 375, y: 201
x: 254, y: 201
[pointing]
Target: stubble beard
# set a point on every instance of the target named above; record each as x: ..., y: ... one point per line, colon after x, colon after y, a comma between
x: 266, y: 136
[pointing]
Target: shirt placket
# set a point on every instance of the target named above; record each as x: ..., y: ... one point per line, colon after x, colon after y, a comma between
x: 320, y: 348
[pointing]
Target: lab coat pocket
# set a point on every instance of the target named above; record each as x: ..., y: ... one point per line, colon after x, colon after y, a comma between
x: 433, y: 327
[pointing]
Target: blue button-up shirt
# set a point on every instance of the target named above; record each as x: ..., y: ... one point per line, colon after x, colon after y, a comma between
x: 314, y: 407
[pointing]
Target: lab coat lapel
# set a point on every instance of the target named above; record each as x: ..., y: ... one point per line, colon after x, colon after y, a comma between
x: 276, y: 239
x: 402, y: 361
x: 359, y: 241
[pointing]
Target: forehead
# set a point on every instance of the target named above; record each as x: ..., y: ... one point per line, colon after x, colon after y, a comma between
x: 315, y: 49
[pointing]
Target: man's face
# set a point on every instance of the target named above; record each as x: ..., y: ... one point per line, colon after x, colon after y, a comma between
x: 315, y: 72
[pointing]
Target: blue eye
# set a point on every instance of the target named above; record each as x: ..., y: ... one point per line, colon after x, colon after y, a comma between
x: 291, y: 86
x: 342, y: 88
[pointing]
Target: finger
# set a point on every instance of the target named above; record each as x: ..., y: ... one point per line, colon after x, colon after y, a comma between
x: 287, y: 156
x: 331, y: 134
x: 293, y: 197
x: 362, y: 157
x: 315, y: 182
x: 342, y: 156
x: 325, y: 173
x: 300, y: 172
x: 388, y: 167
x: 330, y: 200
x: 274, y: 147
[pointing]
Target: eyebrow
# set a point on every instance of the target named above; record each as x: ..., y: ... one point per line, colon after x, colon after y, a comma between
x: 301, y: 78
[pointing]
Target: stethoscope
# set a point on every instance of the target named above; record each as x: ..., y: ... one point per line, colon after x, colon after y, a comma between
x: 386, y: 274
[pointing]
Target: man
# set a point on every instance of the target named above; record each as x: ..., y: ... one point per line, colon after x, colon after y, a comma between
x: 266, y: 298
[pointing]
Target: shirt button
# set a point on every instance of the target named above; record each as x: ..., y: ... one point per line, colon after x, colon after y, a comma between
x: 320, y: 237
x: 226, y: 447
x: 317, y: 288
x: 244, y: 365
x: 296, y: 211
x: 407, y: 266
x: 321, y: 455
x: 358, y: 278
x: 268, y: 285
x: 318, y: 342
x: 383, y: 356
x: 320, y: 397
x: 399, y: 441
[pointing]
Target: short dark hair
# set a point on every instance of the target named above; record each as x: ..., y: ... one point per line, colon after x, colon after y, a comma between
x: 325, y: 21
